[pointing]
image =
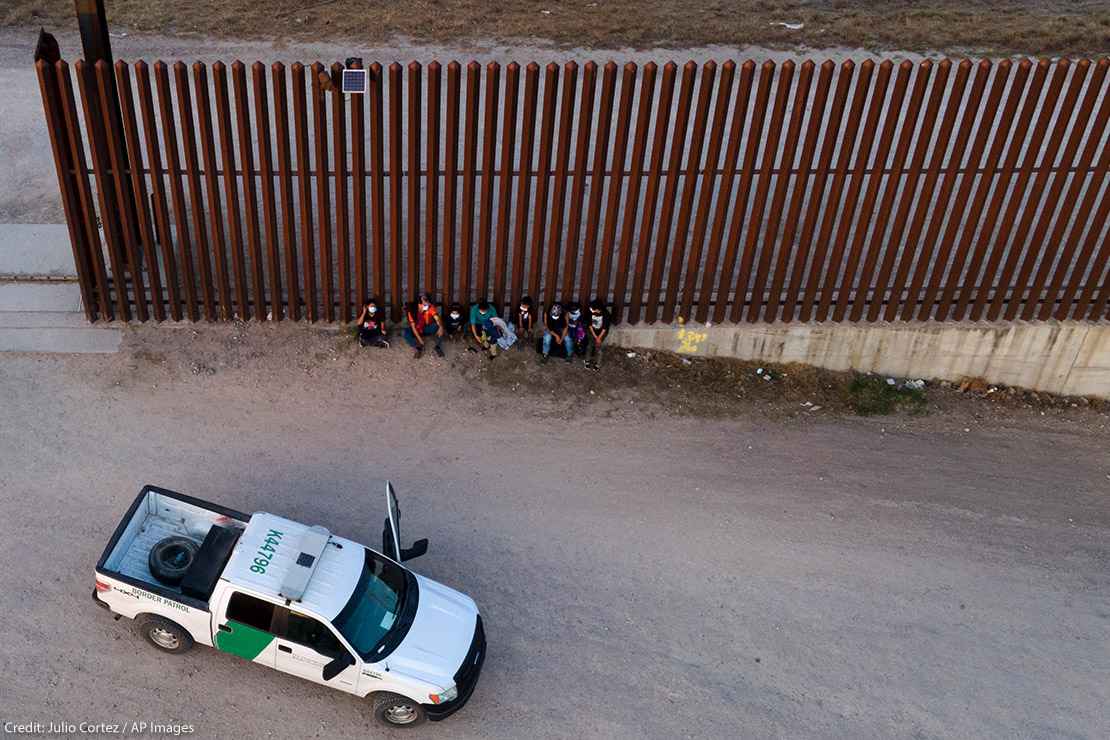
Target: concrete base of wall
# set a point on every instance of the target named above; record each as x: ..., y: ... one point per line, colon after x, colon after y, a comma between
x: 1066, y: 358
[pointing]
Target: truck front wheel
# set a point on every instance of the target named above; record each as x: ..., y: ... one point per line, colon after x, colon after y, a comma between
x: 163, y: 634
x: 394, y: 710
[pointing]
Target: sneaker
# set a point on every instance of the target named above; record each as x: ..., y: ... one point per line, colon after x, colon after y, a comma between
x: 543, y: 359
x: 439, y: 351
x: 384, y: 343
x: 361, y: 341
x: 419, y: 353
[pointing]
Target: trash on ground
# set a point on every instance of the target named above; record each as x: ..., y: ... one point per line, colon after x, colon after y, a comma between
x: 789, y: 26
x: 630, y: 355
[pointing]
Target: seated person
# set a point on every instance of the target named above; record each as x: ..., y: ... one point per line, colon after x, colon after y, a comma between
x: 555, y: 332
x: 597, y: 330
x: 480, y: 327
x: 454, y: 323
x: 371, y: 325
x: 576, y: 329
x: 424, y: 321
x: 525, y: 322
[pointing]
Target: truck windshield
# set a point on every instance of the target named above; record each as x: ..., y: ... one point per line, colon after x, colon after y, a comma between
x: 380, y: 610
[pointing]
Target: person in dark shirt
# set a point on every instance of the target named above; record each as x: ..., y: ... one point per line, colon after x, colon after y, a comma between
x: 576, y: 329
x: 555, y: 331
x: 454, y: 323
x: 525, y: 322
x: 597, y: 330
x: 371, y: 325
x: 424, y: 321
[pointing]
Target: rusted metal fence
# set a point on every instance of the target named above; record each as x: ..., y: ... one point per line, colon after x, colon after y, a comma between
x: 793, y: 192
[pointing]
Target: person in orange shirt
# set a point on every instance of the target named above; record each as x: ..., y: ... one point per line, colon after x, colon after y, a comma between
x: 424, y: 321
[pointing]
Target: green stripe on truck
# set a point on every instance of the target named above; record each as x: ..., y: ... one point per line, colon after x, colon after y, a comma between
x: 243, y: 640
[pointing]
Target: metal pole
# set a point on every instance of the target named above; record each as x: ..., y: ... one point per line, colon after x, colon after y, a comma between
x: 97, y: 46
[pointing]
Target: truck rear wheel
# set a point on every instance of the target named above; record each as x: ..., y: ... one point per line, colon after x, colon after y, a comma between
x: 163, y: 634
x: 394, y: 710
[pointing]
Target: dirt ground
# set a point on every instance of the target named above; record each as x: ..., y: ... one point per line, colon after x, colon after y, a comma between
x: 631, y: 385
x: 652, y: 560
x: 977, y: 26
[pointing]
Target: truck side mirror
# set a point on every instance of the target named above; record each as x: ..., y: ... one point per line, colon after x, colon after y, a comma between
x: 338, y: 665
x: 418, y: 548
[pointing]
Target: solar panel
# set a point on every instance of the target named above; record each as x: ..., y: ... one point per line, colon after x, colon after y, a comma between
x: 354, y: 81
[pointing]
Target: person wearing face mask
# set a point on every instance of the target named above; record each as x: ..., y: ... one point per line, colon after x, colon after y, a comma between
x: 481, y: 326
x: 424, y: 321
x: 597, y: 330
x: 371, y: 325
x: 555, y: 331
x: 576, y: 329
x: 525, y: 322
x: 454, y: 323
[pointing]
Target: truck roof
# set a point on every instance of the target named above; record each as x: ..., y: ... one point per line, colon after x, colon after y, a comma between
x: 287, y: 560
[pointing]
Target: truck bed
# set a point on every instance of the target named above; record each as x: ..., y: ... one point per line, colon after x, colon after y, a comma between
x: 158, y: 513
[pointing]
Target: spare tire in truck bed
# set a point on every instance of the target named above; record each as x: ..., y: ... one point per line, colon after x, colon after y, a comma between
x: 170, y: 559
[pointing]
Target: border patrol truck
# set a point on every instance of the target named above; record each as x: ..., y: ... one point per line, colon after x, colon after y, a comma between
x: 295, y: 598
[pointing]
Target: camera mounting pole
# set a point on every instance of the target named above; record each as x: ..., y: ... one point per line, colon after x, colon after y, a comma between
x: 97, y: 46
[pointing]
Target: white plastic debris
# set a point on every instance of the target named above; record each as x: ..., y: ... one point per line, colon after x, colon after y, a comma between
x: 686, y: 362
x: 789, y: 26
x: 630, y: 355
x: 914, y: 384
x: 546, y: 12
x: 891, y: 381
x: 814, y: 408
x: 759, y: 371
x: 767, y: 376
x: 807, y: 403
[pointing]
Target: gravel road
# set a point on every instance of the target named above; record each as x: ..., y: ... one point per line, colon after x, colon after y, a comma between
x: 640, y: 574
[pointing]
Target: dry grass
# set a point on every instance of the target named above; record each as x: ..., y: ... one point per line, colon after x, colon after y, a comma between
x: 1079, y: 27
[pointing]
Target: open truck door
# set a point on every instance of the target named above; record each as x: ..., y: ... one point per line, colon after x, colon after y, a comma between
x: 391, y: 531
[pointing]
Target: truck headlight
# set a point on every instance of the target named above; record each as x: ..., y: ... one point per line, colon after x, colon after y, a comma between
x: 444, y: 696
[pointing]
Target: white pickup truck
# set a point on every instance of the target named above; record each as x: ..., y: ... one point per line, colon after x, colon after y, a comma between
x: 296, y: 598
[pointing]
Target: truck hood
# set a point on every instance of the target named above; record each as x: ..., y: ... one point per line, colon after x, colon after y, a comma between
x: 440, y: 635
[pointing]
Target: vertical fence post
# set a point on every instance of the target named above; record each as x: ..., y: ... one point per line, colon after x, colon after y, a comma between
x: 489, y: 163
x: 505, y: 186
x: 250, y: 190
x: 413, y: 134
x: 66, y: 170
x: 431, y: 182
x: 898, y: 171
x: 231, y: 188
x: 342, y: 220
x: 743, y: 192
x: 212, y: 188
x: 647, y: 223
x: 543, y: 176
x: 470, y: 156
x: 323, y: 188
x: 524, y: 183
x: 450, y: 183
x: 562, y: 160
x: 358, y: 193
x: 616, y: 186
x: 694, y: 175
x: 304, y: 190
x: 581, y: 159
x: 597, y: 179
x: 778, y: 203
